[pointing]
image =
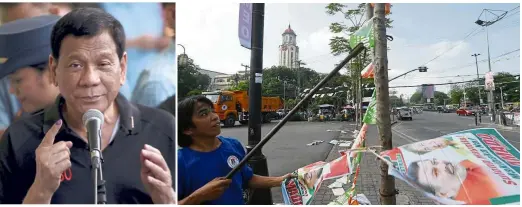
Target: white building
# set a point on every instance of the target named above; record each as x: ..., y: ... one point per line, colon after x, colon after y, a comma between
x: 288, y: 50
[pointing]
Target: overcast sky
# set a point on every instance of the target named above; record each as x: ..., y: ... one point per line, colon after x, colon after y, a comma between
x: 421, y: 32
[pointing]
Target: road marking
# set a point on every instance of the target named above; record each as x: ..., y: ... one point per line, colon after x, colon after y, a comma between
x: 405, y: 136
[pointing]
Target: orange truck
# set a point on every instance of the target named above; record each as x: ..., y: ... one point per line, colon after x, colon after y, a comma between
x: 232, y: 106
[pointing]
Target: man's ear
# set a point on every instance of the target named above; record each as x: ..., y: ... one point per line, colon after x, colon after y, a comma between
x: 53, y: 65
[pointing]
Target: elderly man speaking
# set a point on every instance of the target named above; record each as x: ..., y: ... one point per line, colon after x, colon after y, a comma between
x: 45, y: 158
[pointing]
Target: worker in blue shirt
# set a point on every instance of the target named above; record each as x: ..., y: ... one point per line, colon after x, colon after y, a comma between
x: 205, y: 158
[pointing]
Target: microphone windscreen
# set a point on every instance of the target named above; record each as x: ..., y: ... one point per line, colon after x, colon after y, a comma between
x: 90, y: 114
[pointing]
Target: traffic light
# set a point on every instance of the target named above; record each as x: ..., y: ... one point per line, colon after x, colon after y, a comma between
x: 423, y: 69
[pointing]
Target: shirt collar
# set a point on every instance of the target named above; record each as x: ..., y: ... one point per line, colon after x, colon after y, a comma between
x: 129, y: 115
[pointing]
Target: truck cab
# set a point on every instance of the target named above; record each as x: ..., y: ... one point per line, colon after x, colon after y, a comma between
x: 232, y: 106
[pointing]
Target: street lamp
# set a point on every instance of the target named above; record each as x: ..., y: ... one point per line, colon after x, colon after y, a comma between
x: 183, y: 58
x: 485, y: 23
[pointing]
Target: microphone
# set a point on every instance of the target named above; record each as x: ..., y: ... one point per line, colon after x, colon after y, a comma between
x: 93, y: 121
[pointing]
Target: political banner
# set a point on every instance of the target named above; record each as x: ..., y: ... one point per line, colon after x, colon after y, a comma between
x: 364, y: 34
x: 476, y: 166
x: 302, y: 189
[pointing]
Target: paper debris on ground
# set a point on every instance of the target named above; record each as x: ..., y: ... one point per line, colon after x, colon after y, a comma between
x: 343, y: 200
x: 362, y: 199
x: 334, y: 142
x: 338, y: 191
x: 336, y: 185
x: 346, y: 144
x: 315, y: 142
x: 343, y: 180
x: 333, y: 130
x: 344, y: 132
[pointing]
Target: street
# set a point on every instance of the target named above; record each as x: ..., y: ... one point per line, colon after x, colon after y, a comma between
x: 432, y: 124
x: 287, y: 150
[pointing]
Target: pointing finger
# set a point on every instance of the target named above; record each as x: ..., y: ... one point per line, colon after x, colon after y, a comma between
x: 48, y: 139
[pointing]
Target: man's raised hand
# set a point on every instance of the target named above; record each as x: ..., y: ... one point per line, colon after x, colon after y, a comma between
x: 52, y: 159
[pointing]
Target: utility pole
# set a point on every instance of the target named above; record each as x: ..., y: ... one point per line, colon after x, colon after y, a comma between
x: 478, y: 77
x: 387, y: 190
x: 298, y: 77
x: 258, y: 160
x: 246, y: 71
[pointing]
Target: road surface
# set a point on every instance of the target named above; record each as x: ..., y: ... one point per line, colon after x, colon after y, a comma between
x: 429, y: 125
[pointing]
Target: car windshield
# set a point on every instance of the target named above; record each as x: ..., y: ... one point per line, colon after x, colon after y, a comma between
x: 213, y: 97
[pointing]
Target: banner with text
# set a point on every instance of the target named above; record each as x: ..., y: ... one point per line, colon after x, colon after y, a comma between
x: 476, y: 166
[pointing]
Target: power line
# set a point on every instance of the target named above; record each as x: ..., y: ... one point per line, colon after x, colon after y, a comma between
x: 449, y: 83
x: 461, y: 41
x: 480, y: 61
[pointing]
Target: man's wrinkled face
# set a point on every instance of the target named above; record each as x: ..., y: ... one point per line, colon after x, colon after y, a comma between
x: 444, y: 177
x: 89, y: 73
x: 32, y: 88
x: 206, y: 122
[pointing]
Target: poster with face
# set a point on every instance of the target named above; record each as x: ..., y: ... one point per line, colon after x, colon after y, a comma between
x: 477, y: 167
x: 301, y: 190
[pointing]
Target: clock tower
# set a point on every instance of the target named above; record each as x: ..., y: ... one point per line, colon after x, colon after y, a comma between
x: 288, y: 50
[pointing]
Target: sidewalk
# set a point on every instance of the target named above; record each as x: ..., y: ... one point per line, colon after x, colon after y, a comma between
x: 368, y: 182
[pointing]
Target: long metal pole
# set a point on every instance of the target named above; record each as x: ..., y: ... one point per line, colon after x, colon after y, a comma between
x: 258, y: 161
x: 501, y: 97
x: 356, y: 51
x: 478, y: 78
x: 490, y: 95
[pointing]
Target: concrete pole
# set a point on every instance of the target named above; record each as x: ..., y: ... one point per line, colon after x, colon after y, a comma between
x: 387, y: 190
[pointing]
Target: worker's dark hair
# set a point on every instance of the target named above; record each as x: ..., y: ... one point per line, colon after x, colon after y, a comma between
x: 186, y: 109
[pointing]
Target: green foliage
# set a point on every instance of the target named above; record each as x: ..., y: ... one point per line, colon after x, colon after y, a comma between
x: 240, y: 86
x: 416, y: 98
x: 439, y: 98
x: 340, y: 44
x: 190, y: 80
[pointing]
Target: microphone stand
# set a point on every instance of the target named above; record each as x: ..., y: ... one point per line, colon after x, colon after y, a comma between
x: 100, y: 196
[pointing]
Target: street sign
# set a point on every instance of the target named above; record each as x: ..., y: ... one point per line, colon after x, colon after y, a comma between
x: 245, y: 25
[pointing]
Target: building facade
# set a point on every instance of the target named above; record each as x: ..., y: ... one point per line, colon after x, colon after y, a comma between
x: 288, y: 50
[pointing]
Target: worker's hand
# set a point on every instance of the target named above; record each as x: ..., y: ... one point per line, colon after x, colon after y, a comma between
x: 156, y: 177
x: 51, y: 161
x: 287, y: 176
x: 213, y: 189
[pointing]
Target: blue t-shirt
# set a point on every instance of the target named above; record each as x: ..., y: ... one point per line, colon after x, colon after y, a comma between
x: 195, y: 169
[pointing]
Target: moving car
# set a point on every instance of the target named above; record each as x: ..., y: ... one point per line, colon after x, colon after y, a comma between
x: 465, y: 112
x: 404, y: 113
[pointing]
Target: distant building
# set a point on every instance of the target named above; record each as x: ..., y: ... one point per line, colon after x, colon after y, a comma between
x: 288, y: 50
x: 218, y: 80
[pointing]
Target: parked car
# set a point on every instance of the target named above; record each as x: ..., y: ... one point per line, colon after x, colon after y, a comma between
x: 405, y: 113
x: 465, y: 112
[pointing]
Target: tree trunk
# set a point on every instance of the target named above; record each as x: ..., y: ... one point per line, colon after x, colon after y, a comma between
x: 387, y: 188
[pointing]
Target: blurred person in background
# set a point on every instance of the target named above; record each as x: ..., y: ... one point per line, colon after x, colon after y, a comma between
x: 9, y: 105
x: 156, y: 83
x: 144, y: 26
